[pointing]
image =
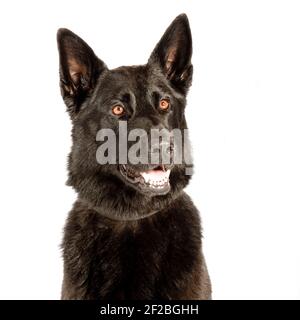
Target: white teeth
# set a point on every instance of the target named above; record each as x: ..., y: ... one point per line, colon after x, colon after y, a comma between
x: 146, y: 178
x: 152, y: 180
x: 157, y: 184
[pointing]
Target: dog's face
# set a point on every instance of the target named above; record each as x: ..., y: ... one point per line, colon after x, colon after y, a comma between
x: 144, y: 97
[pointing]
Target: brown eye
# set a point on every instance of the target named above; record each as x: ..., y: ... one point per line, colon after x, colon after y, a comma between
x: 164, y: 104
x: 118, y: 110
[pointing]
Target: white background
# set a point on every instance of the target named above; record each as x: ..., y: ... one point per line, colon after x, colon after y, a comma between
x: 244, y: 116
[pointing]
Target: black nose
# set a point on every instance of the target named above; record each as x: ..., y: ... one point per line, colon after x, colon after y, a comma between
x: 163, y: 152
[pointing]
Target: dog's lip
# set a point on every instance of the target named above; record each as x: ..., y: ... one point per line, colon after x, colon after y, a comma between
x: 154, y: 180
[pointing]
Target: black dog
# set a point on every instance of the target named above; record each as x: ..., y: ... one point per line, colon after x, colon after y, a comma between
x: 128, y: 236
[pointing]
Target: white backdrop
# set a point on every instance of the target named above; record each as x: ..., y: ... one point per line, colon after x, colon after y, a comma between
x: 244, y: 118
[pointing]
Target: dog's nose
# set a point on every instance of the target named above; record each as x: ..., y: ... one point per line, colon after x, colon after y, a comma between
x: 163, y: 147
x: 164, y: 151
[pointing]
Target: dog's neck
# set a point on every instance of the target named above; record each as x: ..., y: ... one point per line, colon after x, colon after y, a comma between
x: 134, y: 216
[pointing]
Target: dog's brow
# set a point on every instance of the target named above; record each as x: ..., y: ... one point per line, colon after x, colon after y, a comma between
x: 126, y: 97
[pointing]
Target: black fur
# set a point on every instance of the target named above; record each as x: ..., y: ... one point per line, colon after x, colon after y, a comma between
x: 109, y: 253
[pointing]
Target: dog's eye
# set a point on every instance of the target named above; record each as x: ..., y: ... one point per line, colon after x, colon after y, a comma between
x: 164, y: 104
x: 118, y: 110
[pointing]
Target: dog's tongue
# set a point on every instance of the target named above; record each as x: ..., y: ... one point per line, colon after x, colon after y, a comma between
x: 156, y: 175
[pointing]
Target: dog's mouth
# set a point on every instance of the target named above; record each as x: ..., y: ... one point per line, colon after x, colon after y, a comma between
x: 154, y: 181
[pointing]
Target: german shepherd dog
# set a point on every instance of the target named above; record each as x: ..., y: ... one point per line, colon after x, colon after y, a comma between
x: 133, y: 233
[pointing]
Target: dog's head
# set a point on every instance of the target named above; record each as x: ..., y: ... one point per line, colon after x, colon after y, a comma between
x: 146, y: 97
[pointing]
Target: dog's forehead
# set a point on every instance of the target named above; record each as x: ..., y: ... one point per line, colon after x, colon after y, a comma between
x: 131, y: 77
x: 137, y: 79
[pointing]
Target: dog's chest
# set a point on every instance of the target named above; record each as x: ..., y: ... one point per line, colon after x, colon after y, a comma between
x: 127, y: 264
x: 132, y: 263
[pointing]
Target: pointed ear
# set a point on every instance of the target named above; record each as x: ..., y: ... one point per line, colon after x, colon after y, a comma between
x: 79, y: 69
x: 173, y: 54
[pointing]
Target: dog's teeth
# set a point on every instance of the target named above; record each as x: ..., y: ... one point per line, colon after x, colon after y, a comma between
x: 156, y: 183
x: 153, y: 182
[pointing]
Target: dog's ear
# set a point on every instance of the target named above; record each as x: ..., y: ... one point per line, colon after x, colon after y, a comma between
x: 79, y: 69
x: 173, y: 54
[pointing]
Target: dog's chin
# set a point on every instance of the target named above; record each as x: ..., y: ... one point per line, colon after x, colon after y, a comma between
x: 152, y: 182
